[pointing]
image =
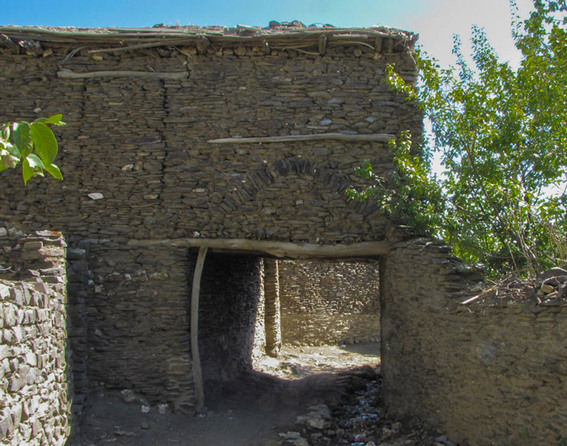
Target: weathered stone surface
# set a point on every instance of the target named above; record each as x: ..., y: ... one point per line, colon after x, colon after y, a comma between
x: 330, y: 302
x: 162, y: 179
x: 33, y: 349
x: 476, y: 374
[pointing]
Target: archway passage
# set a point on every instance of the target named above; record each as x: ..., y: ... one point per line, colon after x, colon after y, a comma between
x: 329, y: 317
x: 264, y: 323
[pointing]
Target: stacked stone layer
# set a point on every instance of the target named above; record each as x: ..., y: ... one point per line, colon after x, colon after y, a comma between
x: 35, y: 380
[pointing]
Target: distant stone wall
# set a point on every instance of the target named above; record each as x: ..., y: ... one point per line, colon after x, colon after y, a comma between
x: 485, y: 375
x: 35, y: 380
x: 329, y: 302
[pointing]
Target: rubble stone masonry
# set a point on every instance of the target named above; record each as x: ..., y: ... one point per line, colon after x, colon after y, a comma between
x: 139, y: 167
x: 35, y: 380
x: 147, y: 180
x: 326, y: 303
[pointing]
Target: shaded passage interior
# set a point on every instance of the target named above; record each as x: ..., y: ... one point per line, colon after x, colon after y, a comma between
x: 279, y: 332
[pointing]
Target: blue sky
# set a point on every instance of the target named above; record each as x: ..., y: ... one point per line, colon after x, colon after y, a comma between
x: 435, y: 20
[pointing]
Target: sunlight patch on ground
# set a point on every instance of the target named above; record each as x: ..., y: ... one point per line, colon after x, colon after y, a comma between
x: 296, y: 362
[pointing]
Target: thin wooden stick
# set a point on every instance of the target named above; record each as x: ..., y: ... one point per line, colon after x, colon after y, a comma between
x: 196, y: 359
x: 177, y: 75
x: 478, y: 296
x: 381, y: 137
x: 172, y: 42
x: 472, y: 299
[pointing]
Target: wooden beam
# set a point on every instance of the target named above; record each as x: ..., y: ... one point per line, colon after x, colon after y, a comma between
x: 322, y: 44
x: 380, y: 137
x: 177, y: 75
x: 289, y: 250
x: 140, y: 46
x: 196, y: 359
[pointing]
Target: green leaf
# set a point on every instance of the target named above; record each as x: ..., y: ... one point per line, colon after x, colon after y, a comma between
x: 5, y: 132
x: 45, y: 142
x: 55, y: 120
x: 31, y: 167
x: 13, y: 151
x: 54, y: 171
x: 8, y: 161
x: 22, y: 139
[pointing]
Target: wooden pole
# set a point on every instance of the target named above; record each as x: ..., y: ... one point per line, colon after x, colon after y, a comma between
x: 378, y: 137
x: 197, y: 372
x: 272, y: 307
x: 176, y: 75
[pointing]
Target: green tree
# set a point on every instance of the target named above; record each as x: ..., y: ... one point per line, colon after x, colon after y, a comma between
x: 32, y: 144
x: 407, y: 195
x: 502, y: 137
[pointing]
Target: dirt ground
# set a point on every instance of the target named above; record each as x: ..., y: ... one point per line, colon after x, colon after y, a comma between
x: 266, y: 407
x: 283, y: 390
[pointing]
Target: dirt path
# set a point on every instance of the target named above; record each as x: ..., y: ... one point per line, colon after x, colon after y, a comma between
x: 318, y: 385
x: 109, y: 420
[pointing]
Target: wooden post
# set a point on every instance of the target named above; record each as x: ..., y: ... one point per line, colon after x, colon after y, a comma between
x: 322, y: 44
x: 272, y: 314
x: 197, y: 372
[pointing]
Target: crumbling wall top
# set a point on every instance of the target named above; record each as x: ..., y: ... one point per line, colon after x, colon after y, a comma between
x: 276, y: 35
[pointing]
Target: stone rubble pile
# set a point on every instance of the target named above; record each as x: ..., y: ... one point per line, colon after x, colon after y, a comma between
x: 359, y: 420
x: 552, y: 288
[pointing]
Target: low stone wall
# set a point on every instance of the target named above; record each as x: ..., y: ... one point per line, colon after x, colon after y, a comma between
x: 34, y: 379
x: 484, y: 375
x: 329, y: 302
x: 508, y: 370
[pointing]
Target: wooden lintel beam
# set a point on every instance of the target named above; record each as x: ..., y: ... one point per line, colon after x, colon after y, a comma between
x: 380, y: 137
x: 288, y: 250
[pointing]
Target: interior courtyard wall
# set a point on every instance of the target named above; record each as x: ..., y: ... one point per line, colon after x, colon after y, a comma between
x: 330, y: 303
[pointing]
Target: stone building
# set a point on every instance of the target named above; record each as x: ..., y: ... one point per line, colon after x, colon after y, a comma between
x: 241, y: 141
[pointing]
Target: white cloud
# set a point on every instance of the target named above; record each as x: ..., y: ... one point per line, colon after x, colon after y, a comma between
x: 444, y: 18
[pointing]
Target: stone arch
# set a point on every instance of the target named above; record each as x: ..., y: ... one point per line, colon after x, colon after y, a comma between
x: 265, y: 176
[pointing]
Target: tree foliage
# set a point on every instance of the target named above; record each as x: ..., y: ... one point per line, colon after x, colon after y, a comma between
x: 501, y: 134
x: 409, y: 183
x: 34, y: 145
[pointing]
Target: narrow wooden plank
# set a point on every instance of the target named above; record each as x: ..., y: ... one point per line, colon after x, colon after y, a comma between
x: 68, y: 74
x: 380, y: 137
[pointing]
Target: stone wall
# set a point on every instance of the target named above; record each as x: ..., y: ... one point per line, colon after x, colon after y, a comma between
x: 142, y: 178
x: 139, y: 168
x: 326, y: 303
x: 485, y: 375
x: 35, y: 381
x: 144, y: 144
